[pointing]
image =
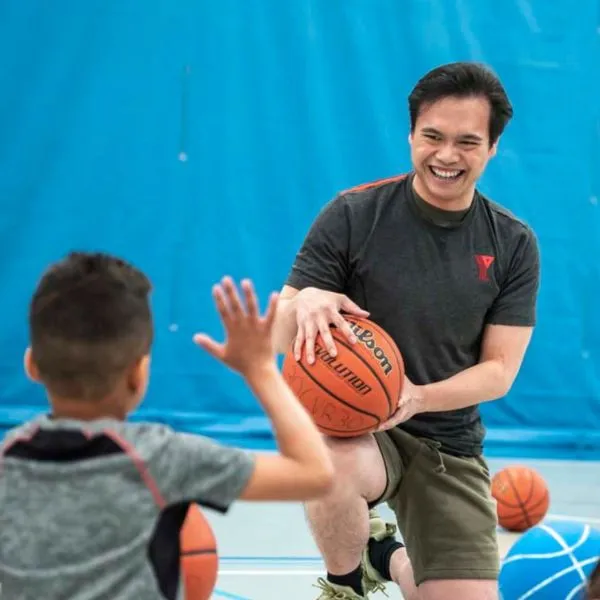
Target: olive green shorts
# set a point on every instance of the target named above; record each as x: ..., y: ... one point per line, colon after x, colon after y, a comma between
x: 443, y: 506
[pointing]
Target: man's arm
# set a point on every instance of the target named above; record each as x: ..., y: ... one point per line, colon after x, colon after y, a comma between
x: 503, y: 350
x: 322, y: 262
x: 506, y: 337
x: 505, y: 340
x: 284, y: 328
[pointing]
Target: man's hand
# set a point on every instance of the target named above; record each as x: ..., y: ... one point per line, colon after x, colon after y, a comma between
x: 412, y: 402
x: 316, y: 311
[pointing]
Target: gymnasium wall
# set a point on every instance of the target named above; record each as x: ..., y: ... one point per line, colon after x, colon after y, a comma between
x: 201, y: 138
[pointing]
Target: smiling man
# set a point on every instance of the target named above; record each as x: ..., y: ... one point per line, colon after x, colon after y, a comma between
x: 453, y: 277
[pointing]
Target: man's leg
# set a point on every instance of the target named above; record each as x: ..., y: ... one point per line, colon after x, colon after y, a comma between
x: 402, y: 574
x: 448, y: 519
x: 340, y: 521
x: 465, y: 589
x: 385, y: 560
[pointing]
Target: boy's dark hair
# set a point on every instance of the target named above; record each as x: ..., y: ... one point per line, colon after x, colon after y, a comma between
x: 89, y: 320
x: 463, y: 80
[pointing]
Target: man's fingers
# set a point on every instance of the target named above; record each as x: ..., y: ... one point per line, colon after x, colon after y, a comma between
x: 398, y: 417
x: 325, y: 332
x: 343, y: 325
x: 310, y: 333
x: 320, y: 325
x: 298, y: 342
x: 353, y: 308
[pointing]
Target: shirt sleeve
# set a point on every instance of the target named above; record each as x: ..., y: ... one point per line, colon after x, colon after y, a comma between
x: 192, y: 468
x: 516, y: 302
x: 323, y: 260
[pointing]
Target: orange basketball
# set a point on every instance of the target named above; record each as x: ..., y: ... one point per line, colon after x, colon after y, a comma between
x: 352, y: 393
x: 522, y: 497
x: 199, y: 559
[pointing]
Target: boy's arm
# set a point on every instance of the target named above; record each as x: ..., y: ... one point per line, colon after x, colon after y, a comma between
x: 196, y: 469
x: 302, y: 469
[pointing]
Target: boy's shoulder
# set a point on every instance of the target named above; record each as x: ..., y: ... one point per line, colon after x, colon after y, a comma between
x: 21, y: 432
x: 143, y: 437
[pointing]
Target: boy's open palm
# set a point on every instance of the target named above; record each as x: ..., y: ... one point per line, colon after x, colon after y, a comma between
x: 248, y: 335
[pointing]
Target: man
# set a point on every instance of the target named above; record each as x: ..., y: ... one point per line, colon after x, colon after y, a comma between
x: 453, y: 278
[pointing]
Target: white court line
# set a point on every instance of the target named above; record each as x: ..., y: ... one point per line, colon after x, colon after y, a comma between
x: 315, y: 572
x: 271, y: 573
x: 575, y: 519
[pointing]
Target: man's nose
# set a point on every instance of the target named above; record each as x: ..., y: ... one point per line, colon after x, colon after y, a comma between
x: 447, y: 154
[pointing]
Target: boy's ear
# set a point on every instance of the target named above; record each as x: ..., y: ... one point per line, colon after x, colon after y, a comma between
x: 31, y: 369
x: 139, y: 375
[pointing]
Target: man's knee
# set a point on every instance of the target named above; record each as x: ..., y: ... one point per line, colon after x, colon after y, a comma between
x: 359, y: 466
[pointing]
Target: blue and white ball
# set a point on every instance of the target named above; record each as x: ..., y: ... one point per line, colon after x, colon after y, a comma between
x: 551, y: 561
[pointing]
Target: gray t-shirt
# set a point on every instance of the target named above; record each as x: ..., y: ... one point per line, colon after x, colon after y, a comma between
x: 433, y: 279
x: 93, y: 510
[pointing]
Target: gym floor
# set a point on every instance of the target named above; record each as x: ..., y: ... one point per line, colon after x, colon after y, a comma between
x: 267, y: 552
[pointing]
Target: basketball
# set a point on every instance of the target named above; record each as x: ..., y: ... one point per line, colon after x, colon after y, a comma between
x: 551, y: 561
x: 352, y: 393
x: 522, y: 497
x: 199, y: 559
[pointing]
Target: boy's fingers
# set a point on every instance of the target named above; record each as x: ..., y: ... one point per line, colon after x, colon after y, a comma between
x: 233, y: 299
x: 214, y: 348
x: 251, y: 300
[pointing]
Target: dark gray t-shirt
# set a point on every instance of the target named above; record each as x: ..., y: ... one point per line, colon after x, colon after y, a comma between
x: 431, y: 278
x: 93, y: 510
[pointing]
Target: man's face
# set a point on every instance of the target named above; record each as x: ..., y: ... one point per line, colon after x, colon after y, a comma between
x: 450, y: 150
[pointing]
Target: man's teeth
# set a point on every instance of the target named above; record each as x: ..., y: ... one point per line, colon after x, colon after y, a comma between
x: 445, y: 174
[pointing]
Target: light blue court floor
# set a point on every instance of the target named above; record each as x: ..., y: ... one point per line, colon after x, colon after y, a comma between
x: 267, y: 552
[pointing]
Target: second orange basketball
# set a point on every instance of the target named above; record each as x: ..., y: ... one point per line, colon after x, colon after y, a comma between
x: 354, y: 392
x: 522, y: 497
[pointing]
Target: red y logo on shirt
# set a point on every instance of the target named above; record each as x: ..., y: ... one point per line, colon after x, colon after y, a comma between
x: 484, y: 262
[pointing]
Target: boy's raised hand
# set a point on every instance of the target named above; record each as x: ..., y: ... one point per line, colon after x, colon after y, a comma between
x: 248, y: 335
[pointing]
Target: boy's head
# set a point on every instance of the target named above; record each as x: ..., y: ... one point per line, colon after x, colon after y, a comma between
x: 90, y: 326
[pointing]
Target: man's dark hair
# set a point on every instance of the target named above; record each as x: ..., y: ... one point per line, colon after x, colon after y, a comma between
x: 463, y: 80
x: 89, y: 321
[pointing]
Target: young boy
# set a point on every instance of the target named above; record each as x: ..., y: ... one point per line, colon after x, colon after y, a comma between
x: 91, y: 506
